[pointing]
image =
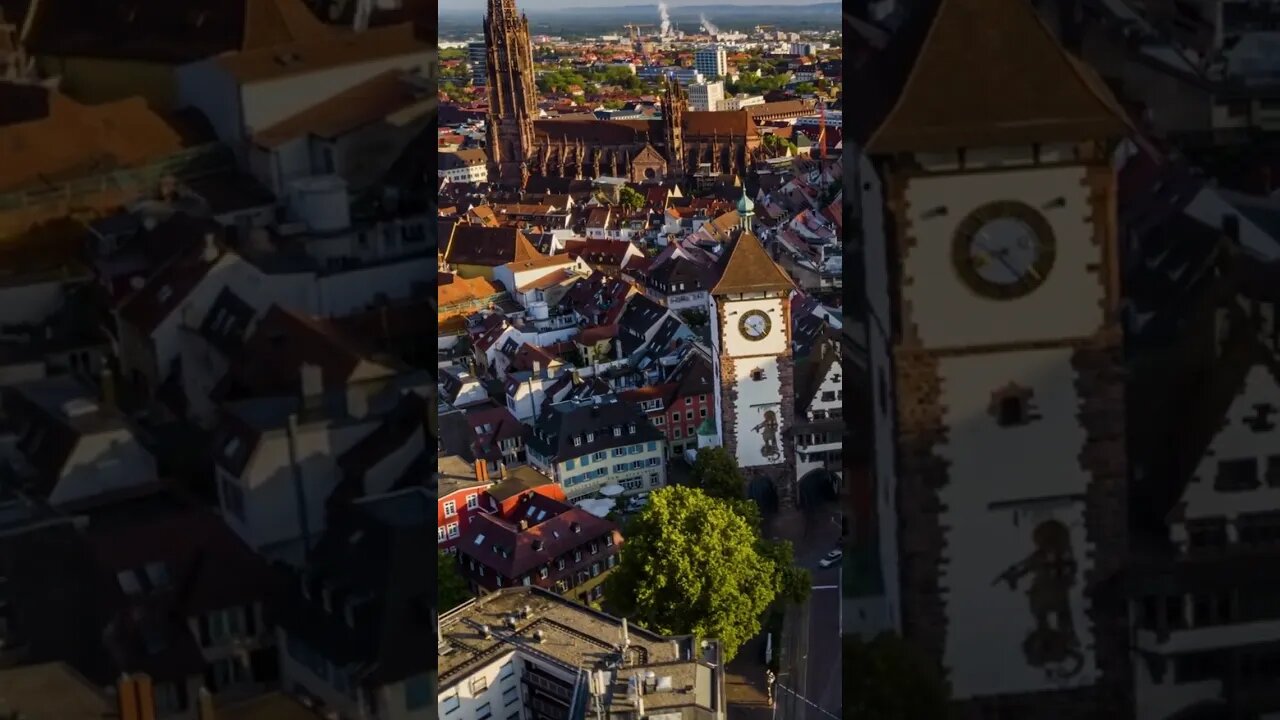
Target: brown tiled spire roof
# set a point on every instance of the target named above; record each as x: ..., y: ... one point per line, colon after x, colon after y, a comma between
x: 991, y: 73
x: 750, y: 269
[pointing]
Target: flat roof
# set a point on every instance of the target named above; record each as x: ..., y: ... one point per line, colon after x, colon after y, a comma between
x: 553, y: 630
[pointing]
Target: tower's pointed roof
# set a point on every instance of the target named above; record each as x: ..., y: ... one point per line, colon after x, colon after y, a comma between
x: 990, y: 73
x: 750, y: 269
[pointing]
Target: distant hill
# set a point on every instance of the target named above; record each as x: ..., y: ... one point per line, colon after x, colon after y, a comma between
x: 562, y: 20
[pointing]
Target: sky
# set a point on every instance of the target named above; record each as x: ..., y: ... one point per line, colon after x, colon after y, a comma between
x: 544, y: 4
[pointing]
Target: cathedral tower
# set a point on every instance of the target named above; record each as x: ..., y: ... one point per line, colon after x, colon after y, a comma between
x: 511, y: 94
x: 673, y: 103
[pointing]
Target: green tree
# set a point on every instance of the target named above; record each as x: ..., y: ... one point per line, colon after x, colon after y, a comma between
x: 792, y: 583
x: 451, y: 589
x: 453, y: 54
x: 690, y: 565
x: 889, y: 679
x: 805, y: 89
x: 630, y: 198
x: 716, y: 472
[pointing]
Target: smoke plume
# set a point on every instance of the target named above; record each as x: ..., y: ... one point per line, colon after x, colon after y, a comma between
x: 706, y: 25
x: 666, y: 19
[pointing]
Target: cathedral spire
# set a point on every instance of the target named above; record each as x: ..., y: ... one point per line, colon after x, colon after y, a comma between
x: 511, y: 93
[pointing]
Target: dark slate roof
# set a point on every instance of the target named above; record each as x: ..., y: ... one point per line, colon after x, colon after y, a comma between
x: 637, y: 320
x: 510, y: 552
x: 371, y: 561
x: 560, y: 424
x: 227, y: 322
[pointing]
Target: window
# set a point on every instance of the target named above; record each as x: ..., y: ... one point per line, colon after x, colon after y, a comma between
x: 450, y: 508
x: 508, y: 669
x: 757, y: 374
x: 1273, y: 471
x: 542, y: 573
x: 688, y: 415
x: 1237, y: 475
x: 599, y: 455
x: 453, y: 530
x: 226, y: 673
x: 473, y: 501
x: 450, y: 703
x: 479, y: 684
x: 1259, y: 528
x: 568, y: 465
x: 483, y: 712
x: 1012, y: 411
x: 560, y: 564
x: 608, y: 541
x: 702, y: 398
x: 675, y: 417
x: 577, y: 556
x: 702, y: 413
x: 829, y: 395
x: 654, y: 480
x: 617, y: 431
x: 511, y: 695
x: 688, y: 400
x: 440, y: 534
x: 677, y: 433
x: 225, y: 625
x: 659, y: 421
x: 577, y: 440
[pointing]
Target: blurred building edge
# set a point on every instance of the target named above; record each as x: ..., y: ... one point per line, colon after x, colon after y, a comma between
x: 135, y: 700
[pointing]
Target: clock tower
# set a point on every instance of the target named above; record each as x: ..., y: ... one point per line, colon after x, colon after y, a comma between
x: 751, y: 332
x: 996, y: 355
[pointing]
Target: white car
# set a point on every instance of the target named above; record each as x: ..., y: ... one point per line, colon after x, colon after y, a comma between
x: 832, y: 558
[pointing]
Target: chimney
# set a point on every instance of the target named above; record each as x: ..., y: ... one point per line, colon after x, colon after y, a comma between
x: 537, y: 369
x: 482, y: 471
x: 357, y: 402
x: 108, y: 388
x: 135, y: 698
x: 210, y: 251
x: 617, y: 348
x: 312, y: 379
x: 524, y: 525
x: 626, y: 639
x: 127, y: 698
x: 502, y: 470
x: 205, y: 706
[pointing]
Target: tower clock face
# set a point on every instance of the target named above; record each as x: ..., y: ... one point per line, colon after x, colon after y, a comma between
x: 754, y: 325
x: 1004, y: 250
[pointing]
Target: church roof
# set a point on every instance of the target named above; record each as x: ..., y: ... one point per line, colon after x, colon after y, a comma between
x: 720, y: 123
x: 750, y: 269
x: 981, y: 79
x: 599, y: 132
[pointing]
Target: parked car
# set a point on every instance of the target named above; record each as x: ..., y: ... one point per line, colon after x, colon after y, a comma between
x: 832, y: 558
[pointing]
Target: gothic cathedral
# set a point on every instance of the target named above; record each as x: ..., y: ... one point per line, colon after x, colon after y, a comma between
x: 1000, y: 463
x: 520, y: 145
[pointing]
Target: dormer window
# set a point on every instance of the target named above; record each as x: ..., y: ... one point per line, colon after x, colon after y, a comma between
x: 577, y: 440
x: 1237, y: 475
x: 1011, y: 406
x: 757, y: 375
x: 631, y: 429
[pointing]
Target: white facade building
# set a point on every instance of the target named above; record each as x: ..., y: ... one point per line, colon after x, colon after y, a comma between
x: 706, y: 96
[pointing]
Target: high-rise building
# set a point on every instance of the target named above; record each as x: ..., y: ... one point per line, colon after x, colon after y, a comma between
x: 706, y: 96
x: 476, y: 60
x: 711, y: 61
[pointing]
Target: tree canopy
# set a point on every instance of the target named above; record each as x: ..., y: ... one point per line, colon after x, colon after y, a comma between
x: 889, y: 679
x: 692, y: 564
x: 630, y: 198
x: 451, y: 589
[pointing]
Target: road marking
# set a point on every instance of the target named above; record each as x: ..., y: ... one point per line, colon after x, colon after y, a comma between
x: 825, y: 587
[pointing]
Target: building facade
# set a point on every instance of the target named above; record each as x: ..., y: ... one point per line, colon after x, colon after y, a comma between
x: 707, y: 96
x: 1020, y: 363
x: 711, y: 61
x: 585, y: 445
x: 751, y: 334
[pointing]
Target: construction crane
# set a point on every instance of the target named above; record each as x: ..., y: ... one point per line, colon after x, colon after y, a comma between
x: 635, y: 30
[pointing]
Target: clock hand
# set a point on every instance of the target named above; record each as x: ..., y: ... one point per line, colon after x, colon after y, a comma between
x: 999, y: 255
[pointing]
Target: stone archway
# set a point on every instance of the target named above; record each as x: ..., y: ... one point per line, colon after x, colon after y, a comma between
x: 816, y: 488
x: 762, y: 490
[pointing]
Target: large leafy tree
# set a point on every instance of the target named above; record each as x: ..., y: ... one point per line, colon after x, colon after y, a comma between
x: 691, y: 564
x: 451, y: 589
x: 630, y: 198
x: 889, y: 679
x: 717, y: 473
